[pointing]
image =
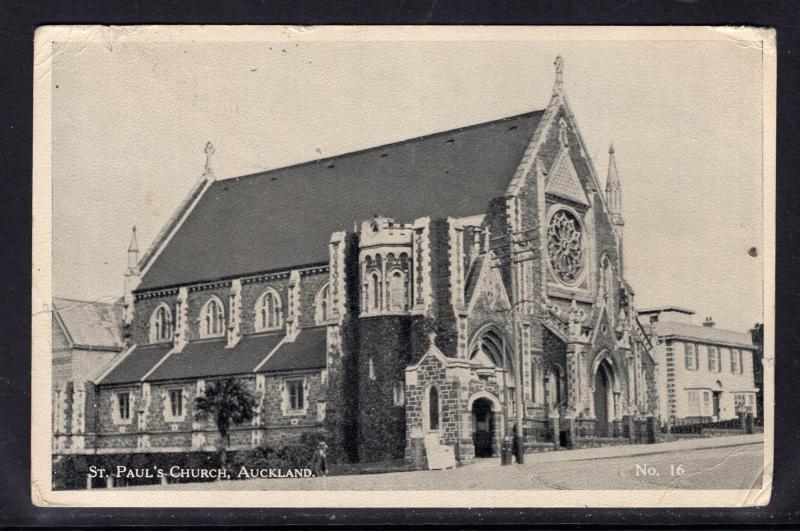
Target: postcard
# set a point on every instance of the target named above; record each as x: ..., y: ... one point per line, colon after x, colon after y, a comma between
x: 362, y: 266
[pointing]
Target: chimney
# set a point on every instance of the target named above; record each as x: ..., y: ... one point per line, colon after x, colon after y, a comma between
x: 709, y: 322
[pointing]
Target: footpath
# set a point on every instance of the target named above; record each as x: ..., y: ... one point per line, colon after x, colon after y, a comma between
x: 629, y: 450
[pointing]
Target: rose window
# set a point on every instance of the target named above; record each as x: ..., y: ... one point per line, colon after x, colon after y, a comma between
x: 565, y: 246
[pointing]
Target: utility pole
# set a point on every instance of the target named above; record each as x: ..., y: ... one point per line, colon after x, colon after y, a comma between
x: 514, y: 248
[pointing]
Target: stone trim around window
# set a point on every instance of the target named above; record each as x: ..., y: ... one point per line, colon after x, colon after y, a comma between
x: 166, y: 403
x: 286, y: 406
x: 116, y: 408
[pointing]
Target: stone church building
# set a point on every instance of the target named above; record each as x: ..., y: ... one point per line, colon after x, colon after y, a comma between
x: 384, y: 296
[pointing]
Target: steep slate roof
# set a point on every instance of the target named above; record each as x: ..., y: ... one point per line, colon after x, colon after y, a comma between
x: 702, y: 333
x: 207, y: 358
x: 89, y: 324
x: 305, y: 352
x: 136, y: 364
x: 284, y: 218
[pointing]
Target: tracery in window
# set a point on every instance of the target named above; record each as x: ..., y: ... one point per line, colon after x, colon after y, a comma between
x: 268, y: 311
x: 161, y: 324
x: 565, y: 246
x: 212, y: 318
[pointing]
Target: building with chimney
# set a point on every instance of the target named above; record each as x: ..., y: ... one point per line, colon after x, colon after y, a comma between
x: 481, y: 283
x: 705, y: 373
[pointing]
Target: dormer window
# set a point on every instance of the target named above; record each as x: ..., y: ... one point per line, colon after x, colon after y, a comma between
x: 212, y: 318
x: 161, y: 324
x: 268, y: 311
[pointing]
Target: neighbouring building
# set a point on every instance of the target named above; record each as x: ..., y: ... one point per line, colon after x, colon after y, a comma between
x: 369, y: 296
x: 87, y: 338
x: 705, y: 373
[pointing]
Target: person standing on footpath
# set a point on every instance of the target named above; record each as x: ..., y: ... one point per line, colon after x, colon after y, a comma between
x: 319, y: 462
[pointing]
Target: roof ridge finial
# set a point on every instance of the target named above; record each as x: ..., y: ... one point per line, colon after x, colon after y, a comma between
x: 134, y: 246
x: 209, y: 151
x: 558, y: 86
x: 612, y: 179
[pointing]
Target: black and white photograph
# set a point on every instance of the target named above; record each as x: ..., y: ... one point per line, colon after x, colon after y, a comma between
x: 477, y: 266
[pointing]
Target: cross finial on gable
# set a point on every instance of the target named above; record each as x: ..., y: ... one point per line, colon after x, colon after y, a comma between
x: 432, y: 337
x: 559, y: 83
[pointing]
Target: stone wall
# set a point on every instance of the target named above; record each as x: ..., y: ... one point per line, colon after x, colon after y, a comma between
x: 384, y: 353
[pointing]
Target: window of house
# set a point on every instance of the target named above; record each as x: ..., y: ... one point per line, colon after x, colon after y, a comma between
x: 397, y: 291
x: 295, y: 391
x: 693, y: 399
x: 371, y: 367
x: 161, y: 324
x: 268, y: 311
x: 433, y: 409
x: 124, y: 404
x: 691, y: 356
x: 714, y: 364
x: 212, y: 320
x: 736, y: 361
x: 750, y: 400
x: 398, y: 394
x: 738, y: 402
x: 176, y: 402
x: 706, y: 402
x: 702, y: 355
x: 323, y: 304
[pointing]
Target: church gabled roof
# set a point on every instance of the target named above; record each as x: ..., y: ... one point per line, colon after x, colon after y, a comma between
x: 283, y: 218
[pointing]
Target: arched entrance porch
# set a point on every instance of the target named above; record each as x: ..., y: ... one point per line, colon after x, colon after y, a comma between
x: 605, y: 393
x: 487, y: 419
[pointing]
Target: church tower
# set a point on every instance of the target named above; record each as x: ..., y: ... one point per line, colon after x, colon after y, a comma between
x: 614, y: 193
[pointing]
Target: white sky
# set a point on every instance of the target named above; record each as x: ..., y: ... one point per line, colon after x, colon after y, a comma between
x: 131, y: 121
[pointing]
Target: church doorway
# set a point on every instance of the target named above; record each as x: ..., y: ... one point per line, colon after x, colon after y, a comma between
x: 483, y: 423
x: 602, y: 390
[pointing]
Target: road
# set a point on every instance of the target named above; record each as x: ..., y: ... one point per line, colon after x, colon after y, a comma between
x: 735, y: 465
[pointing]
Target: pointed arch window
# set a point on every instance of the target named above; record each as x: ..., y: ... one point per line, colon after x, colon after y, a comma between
x: 161, y: 324
x: 212, y: 318
x: 374, y: 291
x: 268, y: 311
x: 322, y: 305
x: 433, y: 409
x: 397, y: 291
